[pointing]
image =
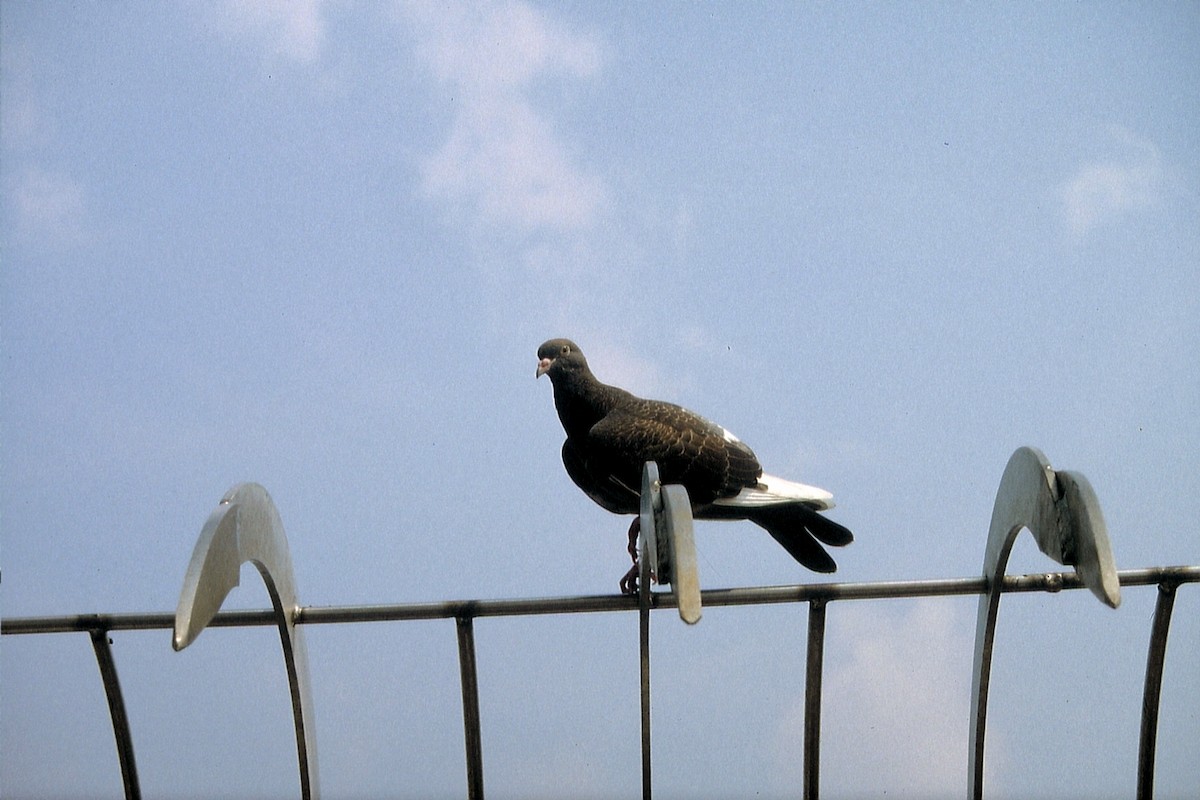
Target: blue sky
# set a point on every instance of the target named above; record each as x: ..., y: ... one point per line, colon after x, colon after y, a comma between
x: 316, y: 245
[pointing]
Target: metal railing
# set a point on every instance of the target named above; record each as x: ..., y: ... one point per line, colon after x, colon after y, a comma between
x: 1058, y: 507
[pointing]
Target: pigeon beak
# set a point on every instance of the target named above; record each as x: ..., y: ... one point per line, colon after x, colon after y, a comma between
x: 543, y: 367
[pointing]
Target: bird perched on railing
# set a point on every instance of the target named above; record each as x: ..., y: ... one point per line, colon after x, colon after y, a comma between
x: 612, y: 433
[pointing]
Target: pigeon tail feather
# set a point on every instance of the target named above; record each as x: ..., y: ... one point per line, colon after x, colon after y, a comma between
x: 798, y: 528
x: 798, y: 516
x: 804, y: 548
x: 772, y: 490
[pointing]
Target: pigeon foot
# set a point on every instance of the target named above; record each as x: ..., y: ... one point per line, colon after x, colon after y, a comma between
x: 629, y: 582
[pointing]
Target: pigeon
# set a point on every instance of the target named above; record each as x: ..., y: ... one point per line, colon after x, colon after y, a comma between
x: 611, y: 433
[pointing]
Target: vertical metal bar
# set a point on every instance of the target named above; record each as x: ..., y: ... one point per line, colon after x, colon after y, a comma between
x: 1155, y: 659
x: 470, y: 695
x: 650, y: 558
x: 812, y: 699
x: 644, y: 652
x: 116, y: 709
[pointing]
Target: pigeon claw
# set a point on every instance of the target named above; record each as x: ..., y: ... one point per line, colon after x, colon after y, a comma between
x: 629, y: 582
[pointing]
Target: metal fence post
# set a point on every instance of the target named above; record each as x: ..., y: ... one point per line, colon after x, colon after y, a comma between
x: 815, y: 659
x: 246, y: 527
x: 1062, y: 512
x: 651, y: 504
x: 1156, y: 657
x: 470, y: 699
x: 116, y: 710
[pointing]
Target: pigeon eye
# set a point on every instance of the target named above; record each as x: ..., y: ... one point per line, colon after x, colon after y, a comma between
x: 566, y: 348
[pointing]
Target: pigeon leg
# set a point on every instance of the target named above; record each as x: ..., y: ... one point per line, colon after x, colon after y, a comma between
x: 629, y: 581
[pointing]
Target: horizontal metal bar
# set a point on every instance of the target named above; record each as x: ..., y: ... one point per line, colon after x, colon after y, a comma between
x: 757, y: 595
x: 134, y: 621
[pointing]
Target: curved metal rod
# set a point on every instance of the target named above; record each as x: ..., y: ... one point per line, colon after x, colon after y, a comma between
x: 1062, y: 512
x: 246, y: 527
x: 116, y: 710
x: 1156, y: 657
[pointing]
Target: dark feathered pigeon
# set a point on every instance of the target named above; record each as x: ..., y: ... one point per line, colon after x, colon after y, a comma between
x: 612, y: 433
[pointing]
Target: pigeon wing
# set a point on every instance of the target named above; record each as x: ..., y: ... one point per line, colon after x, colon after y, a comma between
x: 609, y: 493
x: 689, y: 450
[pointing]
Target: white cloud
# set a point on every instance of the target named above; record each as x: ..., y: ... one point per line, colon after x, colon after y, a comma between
x: 895, y: 713
x: 1104, y: 191
x: 485, y: 47
x: 294, y: 29
x: 504, y: 157
x: 623, y: 367
x: 49, y: 206
x: 25, y: 123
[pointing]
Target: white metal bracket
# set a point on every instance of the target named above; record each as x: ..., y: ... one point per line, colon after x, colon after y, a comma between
x: 1062, y: 512
x: 246, y: 527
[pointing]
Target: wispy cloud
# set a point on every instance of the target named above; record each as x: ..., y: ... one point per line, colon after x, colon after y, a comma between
x: 49, y: 206
x: 623, y: 367
x: 293, y: 29
x: 24, y: 124
x: 503, y: 157
x: 1104, y: 191
x: 896, y: 711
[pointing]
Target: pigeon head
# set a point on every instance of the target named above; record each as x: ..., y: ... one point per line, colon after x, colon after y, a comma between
x: 559, y: 357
